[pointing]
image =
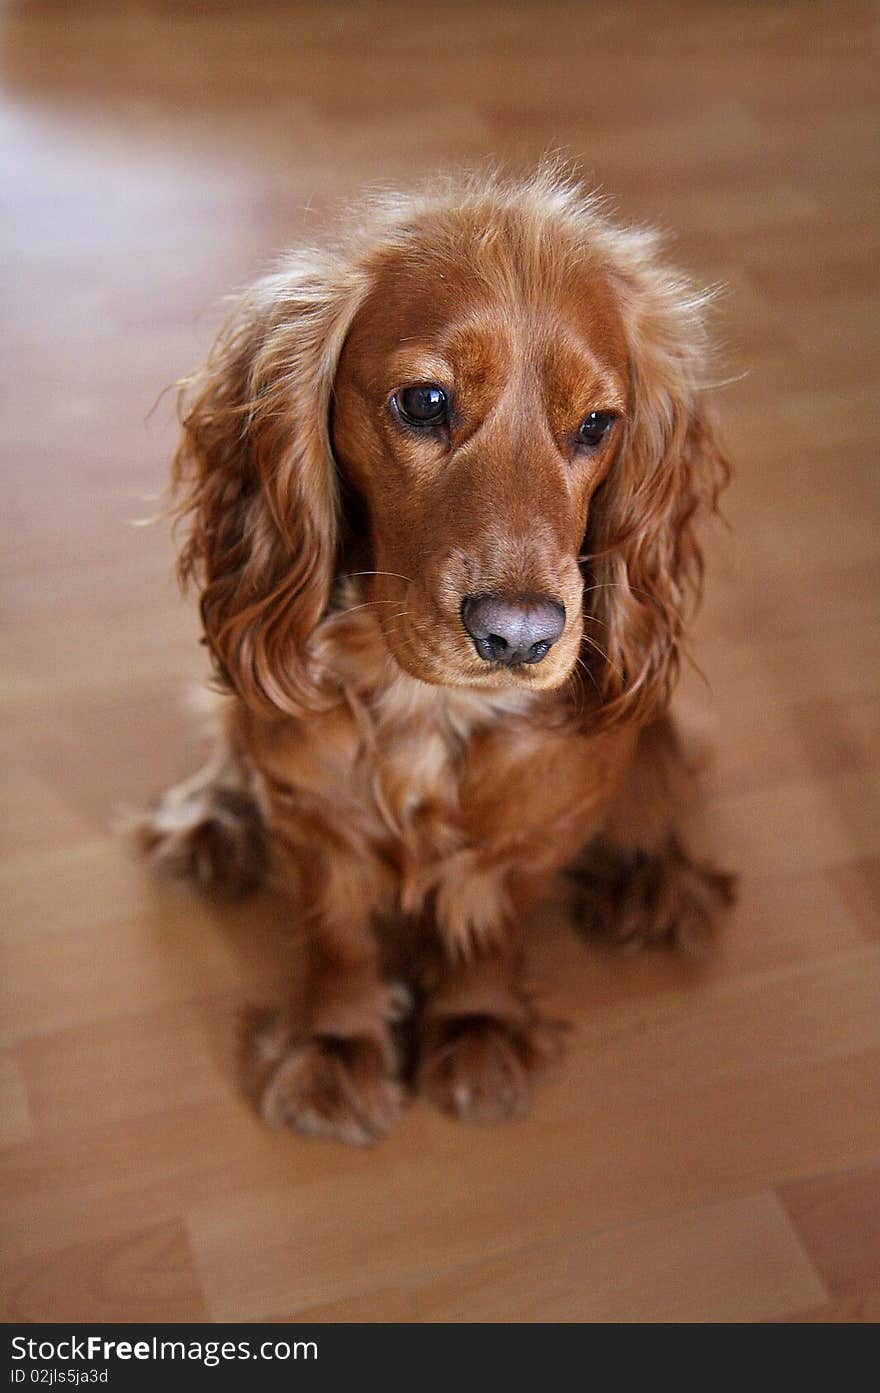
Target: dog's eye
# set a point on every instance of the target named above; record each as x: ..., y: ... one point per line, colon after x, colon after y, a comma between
x: 423, y: 404
x: 595, y: 427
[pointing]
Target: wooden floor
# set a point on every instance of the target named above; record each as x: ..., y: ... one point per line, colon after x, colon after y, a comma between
x: 712, y: 1149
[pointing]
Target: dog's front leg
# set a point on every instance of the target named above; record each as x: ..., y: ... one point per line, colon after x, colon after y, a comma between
x: 638, y: 883
x: 481, y: 1039
x: 334, y: 1072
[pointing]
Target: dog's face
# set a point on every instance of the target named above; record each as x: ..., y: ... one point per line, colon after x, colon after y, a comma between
x: 511, y: 386
x: 477, y: 414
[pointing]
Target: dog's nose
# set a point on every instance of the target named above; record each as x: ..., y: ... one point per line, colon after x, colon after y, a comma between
x: 512, y: 629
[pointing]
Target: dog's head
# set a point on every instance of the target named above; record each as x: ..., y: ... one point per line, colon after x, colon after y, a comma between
x: 488, y: 403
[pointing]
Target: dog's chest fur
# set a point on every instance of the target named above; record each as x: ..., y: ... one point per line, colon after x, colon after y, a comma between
x: 391, y: 764
x: 451, y: 790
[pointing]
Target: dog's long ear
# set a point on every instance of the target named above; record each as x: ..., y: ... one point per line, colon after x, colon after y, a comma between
x: 257, y: 484
x: 646, y: 565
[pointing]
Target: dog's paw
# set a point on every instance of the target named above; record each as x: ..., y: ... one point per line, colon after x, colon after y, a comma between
x: 213, y: 836
x: 328, y: 1087
x: 480, y: 1068
x: 630, y: 900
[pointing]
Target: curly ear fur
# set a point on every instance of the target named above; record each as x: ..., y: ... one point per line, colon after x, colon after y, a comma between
x: 256, y: 479
x: 644, y: 561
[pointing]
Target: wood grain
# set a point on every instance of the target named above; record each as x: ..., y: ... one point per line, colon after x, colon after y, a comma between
x: 710, y: 1151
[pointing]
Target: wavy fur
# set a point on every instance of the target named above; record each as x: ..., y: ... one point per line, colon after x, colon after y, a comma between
x: 390, y: 773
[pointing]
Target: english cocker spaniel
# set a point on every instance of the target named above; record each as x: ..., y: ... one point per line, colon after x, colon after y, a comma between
x: 440, y: 483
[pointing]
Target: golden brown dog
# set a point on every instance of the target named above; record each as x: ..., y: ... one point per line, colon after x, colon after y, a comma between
x: 441, y: 484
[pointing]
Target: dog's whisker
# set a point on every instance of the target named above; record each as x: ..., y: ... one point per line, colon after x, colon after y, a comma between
x: 616, y: 585
x: 635, y: 590
x: 586, y: 667
x: 585, y: 638
x: 395, y: 575
x: 367, y: 604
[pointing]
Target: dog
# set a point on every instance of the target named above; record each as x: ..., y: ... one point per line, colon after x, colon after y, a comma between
x: 440, y: 483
